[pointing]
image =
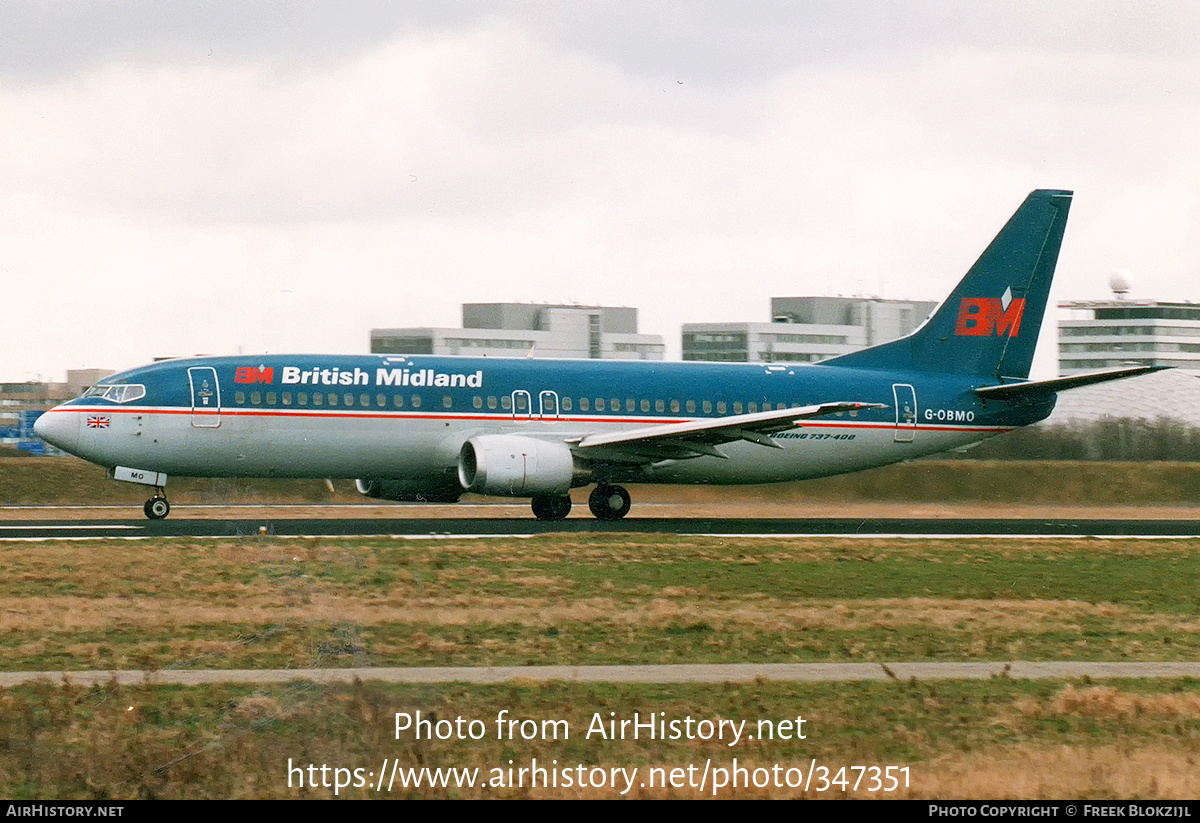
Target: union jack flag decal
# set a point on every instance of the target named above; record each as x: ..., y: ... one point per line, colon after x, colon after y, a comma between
x: 97, y: 421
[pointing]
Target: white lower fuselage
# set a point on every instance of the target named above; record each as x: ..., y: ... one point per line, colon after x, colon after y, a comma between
x: 381, y: 443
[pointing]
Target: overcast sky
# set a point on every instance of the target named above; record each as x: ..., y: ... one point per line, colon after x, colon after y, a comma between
x: 219, y: 177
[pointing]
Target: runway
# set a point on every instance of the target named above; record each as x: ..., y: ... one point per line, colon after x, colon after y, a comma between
x: 510, y: 527
x: 681, y: 673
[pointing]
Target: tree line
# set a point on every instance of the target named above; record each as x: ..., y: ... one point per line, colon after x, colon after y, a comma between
x: 1109, y: 439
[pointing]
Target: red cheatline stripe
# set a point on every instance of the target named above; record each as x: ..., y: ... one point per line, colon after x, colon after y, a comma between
x: 494, y: 418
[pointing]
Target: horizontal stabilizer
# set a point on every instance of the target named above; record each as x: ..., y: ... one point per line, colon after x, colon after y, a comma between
x: 1040, y: 388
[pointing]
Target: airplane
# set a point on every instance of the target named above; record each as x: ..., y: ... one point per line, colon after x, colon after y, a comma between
x: 430, y: 428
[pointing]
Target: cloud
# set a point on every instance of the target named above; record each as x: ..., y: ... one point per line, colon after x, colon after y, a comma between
x: 291, y: 191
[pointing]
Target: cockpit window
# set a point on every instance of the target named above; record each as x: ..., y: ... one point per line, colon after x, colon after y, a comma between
x: 124, y: 393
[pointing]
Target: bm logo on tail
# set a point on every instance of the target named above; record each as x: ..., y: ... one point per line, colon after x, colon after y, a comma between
x: 988, y: 316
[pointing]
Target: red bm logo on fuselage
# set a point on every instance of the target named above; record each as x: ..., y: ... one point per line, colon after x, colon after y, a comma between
x: 987, y: 316
x: 254, y: 374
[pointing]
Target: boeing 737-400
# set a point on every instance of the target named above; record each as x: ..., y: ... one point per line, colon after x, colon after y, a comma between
x: 429, y: 428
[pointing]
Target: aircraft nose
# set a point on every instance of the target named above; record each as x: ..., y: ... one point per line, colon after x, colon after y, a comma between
x: 58, y: 428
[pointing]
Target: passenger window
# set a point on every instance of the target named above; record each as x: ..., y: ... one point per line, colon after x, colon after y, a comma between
x: 332, y: 398
x: 629, y: 404
x: 364, y: 400
x: 318, y: 398
x: 659, y: 406
x: 674, y: 406
x: 348, y: 398
x: 753, y: 407
x: 520, y: 402
x: 708, y: 407
x: 302, y: 398
x: 566, y: 404
x: 477, y: 402
x: 720, y: 407
x: 416, y: 401
x: 272, y: 398
x: 615, y: 404
x: 240, y: 398
x: 691, y: 407
x: 583, y: 404
x: 737, y: 407
x: 645, y: 405
x: 287, y: 398
x: 491, y: 402
x: 506, y: 402
x: 398, y: 401
x: 381, y: 400
x: 599, y: 404
x: 447, y: 401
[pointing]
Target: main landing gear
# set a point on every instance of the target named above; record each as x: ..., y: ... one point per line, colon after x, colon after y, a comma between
x: 157, y: 507
x: 609, y: 502
x: 551, y: 506
x: 606, y: 502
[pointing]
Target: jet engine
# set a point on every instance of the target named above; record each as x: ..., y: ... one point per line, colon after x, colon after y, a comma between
x: 410, y: 489
x: 510, y: 464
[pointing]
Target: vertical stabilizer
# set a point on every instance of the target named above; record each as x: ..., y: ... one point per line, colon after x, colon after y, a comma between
x: 989, y: 324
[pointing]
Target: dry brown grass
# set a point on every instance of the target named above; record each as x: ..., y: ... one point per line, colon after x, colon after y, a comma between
x: 993, y: 740
x: 1026, y: 772
x: 77, y: 613
x: 1111, y: 703
x: 87, y: 586
x: 219, y: 603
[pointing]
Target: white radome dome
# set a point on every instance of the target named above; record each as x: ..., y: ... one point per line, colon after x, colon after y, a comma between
x: 1120, y: 282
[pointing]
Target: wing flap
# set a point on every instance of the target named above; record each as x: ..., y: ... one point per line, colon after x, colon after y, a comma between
x: 694, y: 438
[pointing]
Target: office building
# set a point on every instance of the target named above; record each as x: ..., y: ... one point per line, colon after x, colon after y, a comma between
x: 520, y: 329
x: 1104, y: 334
x: 806, y: 330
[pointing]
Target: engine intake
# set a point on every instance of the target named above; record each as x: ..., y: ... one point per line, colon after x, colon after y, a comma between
x: 517, y: 466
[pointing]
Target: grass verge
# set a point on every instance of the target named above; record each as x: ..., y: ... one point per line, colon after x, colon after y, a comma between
x: 292, y: 603
x: 993, y: 739
x: 297, y: 603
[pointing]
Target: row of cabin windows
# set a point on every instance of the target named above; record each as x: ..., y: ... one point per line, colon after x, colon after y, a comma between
x: 600, y: 404
x: 347, y: 399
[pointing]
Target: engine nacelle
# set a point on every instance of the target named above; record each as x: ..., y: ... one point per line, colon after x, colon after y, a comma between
x: 410, y: 489
x: 513, y: 465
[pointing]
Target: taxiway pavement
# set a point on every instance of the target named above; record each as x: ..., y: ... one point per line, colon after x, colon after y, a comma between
x: 497, y: 527
x: 677, y: 673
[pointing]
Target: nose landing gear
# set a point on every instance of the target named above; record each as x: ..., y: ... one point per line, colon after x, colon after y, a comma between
x: 157, y: 507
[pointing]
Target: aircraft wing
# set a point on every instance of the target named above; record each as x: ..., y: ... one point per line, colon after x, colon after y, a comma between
x: 694, y: 438
x: 1035, y: 388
